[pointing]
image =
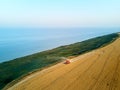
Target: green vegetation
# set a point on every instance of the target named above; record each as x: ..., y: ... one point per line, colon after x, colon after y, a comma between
x: 14, y: 69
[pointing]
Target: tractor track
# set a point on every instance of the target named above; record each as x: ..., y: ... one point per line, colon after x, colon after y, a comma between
x: 115, y: 75
x: 108, y: 57
x: 102, y: 81
x: 114, y: 80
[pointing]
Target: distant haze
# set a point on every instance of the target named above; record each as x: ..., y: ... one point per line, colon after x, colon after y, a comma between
x: 60, y: 13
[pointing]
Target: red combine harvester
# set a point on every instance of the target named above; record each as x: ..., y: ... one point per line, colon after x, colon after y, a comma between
x: 67, y: 62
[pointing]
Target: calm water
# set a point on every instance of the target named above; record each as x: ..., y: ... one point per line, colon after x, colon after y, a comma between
x: 19, y: 42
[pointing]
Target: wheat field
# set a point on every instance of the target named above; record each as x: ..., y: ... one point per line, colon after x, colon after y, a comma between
x: 96, y: 70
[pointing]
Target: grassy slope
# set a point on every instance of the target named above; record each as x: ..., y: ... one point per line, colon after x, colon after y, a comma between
x: 16, y: 68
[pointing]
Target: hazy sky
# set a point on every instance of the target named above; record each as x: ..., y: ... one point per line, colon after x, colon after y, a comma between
x: 60, y: 13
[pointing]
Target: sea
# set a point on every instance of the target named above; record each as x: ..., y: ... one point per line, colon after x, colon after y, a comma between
x: 20, y: 42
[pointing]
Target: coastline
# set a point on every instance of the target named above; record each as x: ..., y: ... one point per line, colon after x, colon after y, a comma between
x: 61, y: 64
x: 21, y: 67
x: 44, y: 69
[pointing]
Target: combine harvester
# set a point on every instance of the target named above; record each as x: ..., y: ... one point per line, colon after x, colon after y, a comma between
x: 67, y: 61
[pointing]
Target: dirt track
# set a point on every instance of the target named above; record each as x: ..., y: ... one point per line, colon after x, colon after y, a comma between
x: 97, y: 70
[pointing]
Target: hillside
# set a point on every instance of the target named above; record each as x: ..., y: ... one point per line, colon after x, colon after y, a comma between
x: 96, y: 70
x: 14, y: 69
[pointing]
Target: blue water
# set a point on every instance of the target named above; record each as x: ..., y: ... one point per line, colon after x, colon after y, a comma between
x: 19, y: 42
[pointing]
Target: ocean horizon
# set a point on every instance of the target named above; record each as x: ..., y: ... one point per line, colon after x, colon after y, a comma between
x: 19, y: 42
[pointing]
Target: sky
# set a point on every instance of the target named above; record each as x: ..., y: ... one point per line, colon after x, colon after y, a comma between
x: 60, y: 13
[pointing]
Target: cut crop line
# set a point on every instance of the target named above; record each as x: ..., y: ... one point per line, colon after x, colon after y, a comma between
x: 85, y: 70
x: 66, y: 73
